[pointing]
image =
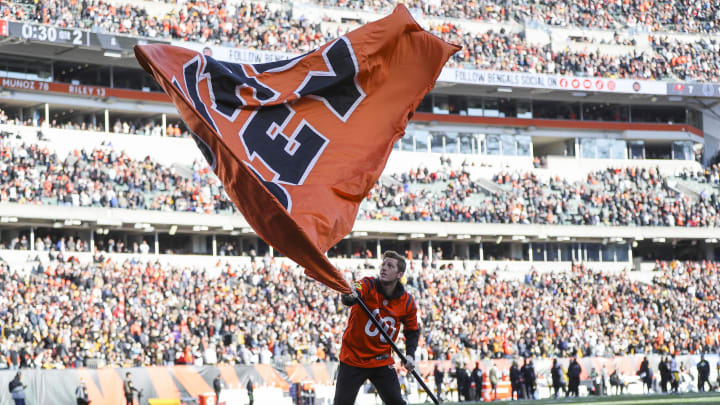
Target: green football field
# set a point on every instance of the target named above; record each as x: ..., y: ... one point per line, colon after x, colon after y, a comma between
x: 659, y: 399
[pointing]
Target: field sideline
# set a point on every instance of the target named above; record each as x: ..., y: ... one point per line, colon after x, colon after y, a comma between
x: 659, y: 399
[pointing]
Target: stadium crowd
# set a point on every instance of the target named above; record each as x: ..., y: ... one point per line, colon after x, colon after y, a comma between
x: 692, y: 16
x: 63, y: 242
x: 123, y: 313
x: 615, y: 196
x: 137, y: 127
x: 698, y: 60
x: 504, y: 51
x: 662, y: 15
x: 105, y: 177
x: 578, y: 313
x: 259, y: 26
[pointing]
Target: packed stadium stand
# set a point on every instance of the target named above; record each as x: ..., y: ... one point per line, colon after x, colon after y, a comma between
x: 557, y: 194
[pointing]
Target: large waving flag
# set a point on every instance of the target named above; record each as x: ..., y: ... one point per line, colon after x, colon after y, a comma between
x: 299, y: 143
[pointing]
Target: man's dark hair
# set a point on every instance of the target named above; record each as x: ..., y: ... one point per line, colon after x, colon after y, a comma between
x: 391, y: 254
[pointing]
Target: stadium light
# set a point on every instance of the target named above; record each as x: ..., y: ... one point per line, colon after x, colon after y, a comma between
x: 360, y: 233
x: 200, y: 228
x: 658, y: 240
x: 504, y: 89
x: 712, y: 240
x: 8, y: 219
x: 578, y: 94
x: 227, y: 227
x: 69, y: 222
x: 235, y: 233
x: 172, y: 230
x: 460, y: 237
x: 417, y: 235
x: 110, y: 54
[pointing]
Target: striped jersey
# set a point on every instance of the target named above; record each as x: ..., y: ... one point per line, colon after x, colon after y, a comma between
x: 362, y: 344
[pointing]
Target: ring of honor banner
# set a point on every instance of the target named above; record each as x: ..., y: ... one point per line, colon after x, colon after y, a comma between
x: 299, y: 143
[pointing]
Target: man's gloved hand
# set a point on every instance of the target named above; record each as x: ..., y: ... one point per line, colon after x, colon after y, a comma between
x: 409, y: 364
x: 350, y: 299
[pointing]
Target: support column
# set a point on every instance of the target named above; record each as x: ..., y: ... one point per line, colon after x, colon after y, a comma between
x: 157, y: 244
x: 577, y: 147
x: 481, y: 252
x: 92, y: 241
x: 532, y: 149
x: 164, y: 125
x: 575, y: 252
x: 378, y: 249
x: 559, y: 253
x: 214, y: 245
x: 32, y: 237
x: 47, y: 114
x: 271, y: 250
x: 107, y: 120
x: 530, y: 250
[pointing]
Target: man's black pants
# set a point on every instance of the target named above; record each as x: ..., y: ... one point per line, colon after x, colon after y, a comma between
x: 350, y: 379
x: 701, y: 383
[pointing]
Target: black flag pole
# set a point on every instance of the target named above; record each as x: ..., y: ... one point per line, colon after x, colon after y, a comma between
x: 395, y: 349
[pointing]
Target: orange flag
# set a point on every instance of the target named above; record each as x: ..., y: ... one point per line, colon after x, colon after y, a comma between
x: 299, y: 143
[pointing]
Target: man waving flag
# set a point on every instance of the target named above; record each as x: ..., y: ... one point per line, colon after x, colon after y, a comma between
x: 299, y: 143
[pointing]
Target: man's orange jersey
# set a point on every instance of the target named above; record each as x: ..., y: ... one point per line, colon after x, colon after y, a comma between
x: 362, y: 344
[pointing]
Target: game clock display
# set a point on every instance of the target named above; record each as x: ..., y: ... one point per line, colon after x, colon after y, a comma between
x: 47, y: 33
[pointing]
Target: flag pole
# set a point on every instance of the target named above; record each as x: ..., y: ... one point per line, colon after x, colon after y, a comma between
x: 396, y: 350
